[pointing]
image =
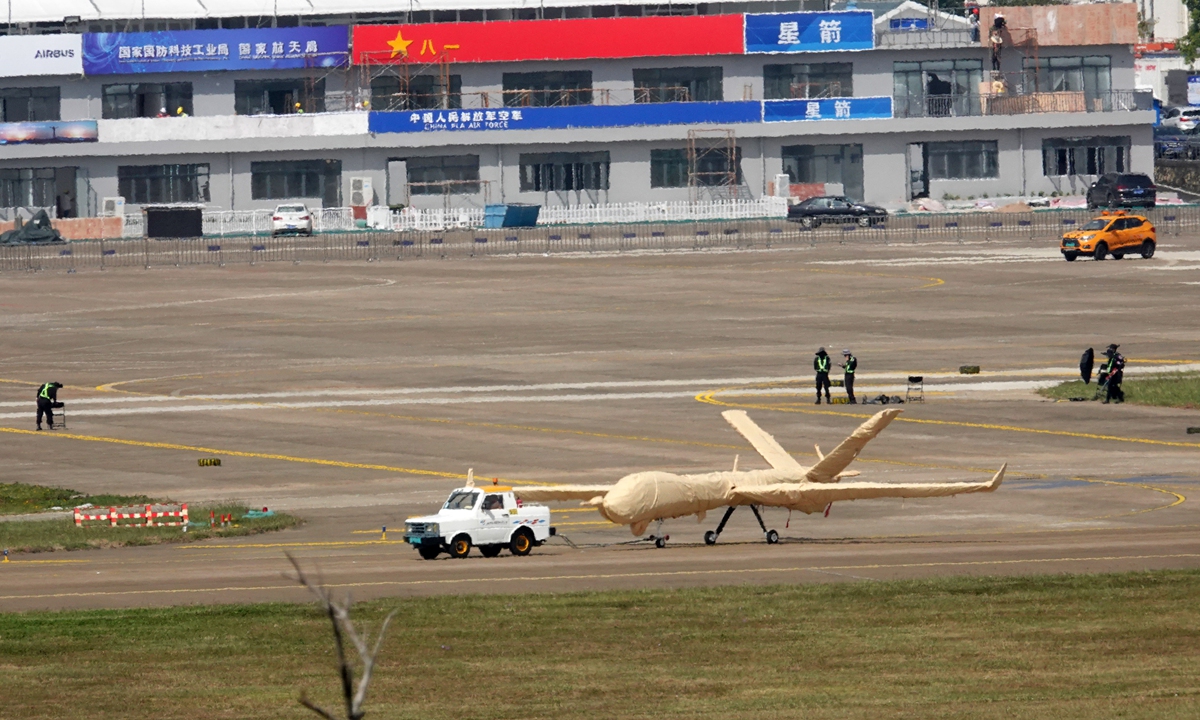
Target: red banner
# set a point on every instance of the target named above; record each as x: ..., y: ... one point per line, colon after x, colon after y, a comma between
x: 577, y: 39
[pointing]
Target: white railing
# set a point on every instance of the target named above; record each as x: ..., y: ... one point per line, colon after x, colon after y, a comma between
x: 766, y: 207
x: 220, y: 223
x: 434, y: 219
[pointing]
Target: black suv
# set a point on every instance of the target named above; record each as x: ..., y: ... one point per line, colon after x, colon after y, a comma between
x: 1121, y: 189
x: 814, y: 211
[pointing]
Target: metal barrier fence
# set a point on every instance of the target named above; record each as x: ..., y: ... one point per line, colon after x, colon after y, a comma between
x: 466, y: 242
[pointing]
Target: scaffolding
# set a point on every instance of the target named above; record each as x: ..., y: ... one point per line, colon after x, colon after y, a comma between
x: 714, y: 165
x: 378, y: 64
x: 317, y: 70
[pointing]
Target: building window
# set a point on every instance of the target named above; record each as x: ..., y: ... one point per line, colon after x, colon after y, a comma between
x: 286, y: 180
x: 686, y: 84
x: 29, y: 104
x: 816, y: 80
x: 1085, y: 156
x: 937, y: 88
x: 548, y: 89
x: 821, y: 164
x: 1091, y: 75
x: 278, y: 97
x: 27, y: 187
x: 423, y: 92
x: 668, y: 168
x: 968, y: 160
x: 146, y: 184
x: 445, y: 175
x: 550, y: 172
x: 146, y: 100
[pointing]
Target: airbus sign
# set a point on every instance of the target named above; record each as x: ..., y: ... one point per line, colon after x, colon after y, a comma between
x: 28, y: 55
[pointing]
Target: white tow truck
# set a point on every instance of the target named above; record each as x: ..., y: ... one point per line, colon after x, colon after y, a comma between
x: 490, y: 518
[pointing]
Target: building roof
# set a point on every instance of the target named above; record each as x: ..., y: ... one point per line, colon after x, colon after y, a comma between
x: 20, y: 11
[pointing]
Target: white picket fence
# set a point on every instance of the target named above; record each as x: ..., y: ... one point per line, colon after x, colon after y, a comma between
x: 218, y: 223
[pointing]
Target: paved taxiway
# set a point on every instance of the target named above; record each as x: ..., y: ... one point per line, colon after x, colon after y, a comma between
x: 356, y: 395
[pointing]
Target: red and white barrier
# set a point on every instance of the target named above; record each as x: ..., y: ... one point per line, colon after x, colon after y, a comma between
x: 147, y: 516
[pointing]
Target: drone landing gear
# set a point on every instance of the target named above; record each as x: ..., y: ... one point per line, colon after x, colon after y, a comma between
x: 660, y: 540
x: 710, y: 537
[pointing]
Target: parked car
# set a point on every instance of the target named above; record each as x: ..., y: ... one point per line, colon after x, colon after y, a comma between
x: 291, y: 219
x: 1122, y: 189
x: 1184, y: 118
x: 1115, y: 232
x: 1171, y: 142
x: 815, y: 211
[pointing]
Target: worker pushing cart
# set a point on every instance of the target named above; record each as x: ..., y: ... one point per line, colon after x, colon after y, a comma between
x: 47, y: 400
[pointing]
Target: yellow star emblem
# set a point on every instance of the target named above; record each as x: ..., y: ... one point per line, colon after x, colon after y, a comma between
x: 399, y: 45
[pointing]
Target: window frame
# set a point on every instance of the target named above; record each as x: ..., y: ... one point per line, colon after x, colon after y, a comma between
x: 988, y: 157
x: 189, y: 183
x: 443, y: 167
x: 277, y: 180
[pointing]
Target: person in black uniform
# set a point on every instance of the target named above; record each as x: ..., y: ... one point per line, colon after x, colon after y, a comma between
x: 821, y: 364
x: 47, y: 399
x: 850, y: 366
x: 1113, y: 374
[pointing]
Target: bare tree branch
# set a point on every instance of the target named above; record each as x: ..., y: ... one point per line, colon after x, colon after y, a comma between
x: 343, y: 629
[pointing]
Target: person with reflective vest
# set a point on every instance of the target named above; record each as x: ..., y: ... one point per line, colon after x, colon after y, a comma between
x: 849, y: 366
x: 821, y: 364
x: 47, y: 399
x: 1113, y: 374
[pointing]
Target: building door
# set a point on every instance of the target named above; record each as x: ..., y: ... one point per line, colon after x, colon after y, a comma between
x: 65, y: 198
x: 916, y: 161
x: 397, y: 182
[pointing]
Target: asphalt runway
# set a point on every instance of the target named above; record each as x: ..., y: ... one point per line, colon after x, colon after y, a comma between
x: 356, y: 395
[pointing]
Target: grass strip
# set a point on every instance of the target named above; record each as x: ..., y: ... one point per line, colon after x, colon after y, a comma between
x: 1042, y: 647
x: 21, y: 498
x: 1178, y: 390
x: 34, y: 536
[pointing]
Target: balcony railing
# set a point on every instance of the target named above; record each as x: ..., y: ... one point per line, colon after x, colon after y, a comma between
x: 971, y: 105
x: 928, y: 39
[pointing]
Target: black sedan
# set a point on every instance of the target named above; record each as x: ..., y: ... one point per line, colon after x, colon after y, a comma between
x: 816, y: 211
x: 1122, y: 189
x: 1171, y: 142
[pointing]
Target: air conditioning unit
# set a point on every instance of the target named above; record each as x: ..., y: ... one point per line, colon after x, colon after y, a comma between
x: 361, y: 193
x: 113, y: 207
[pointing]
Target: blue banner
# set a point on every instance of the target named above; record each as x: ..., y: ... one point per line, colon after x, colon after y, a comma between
x: 856, y: 108
x: 205, y: 50
x: 810, y: 31
x: 51, y: 131
x: 573, y: 116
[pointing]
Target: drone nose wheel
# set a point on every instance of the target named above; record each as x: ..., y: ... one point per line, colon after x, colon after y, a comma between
x: 772, y: 537
x: 660, y: 542
x: 710, y: 538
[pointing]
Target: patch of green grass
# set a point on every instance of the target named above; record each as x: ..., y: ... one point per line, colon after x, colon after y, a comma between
x: 61, y: 534
x: 1180, y: 390
x: 1049, y: 647
x: 19, y: 498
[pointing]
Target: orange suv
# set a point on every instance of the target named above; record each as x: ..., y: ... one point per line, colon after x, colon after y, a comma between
x: 1116, y: 232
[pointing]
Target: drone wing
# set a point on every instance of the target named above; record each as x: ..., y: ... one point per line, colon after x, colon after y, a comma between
x: 808, y: 497
x: 541, y: 493
x: 830, y: 466
x: 766, y: 445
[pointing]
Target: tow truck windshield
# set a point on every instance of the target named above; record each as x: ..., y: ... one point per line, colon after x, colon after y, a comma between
x: 461, y: 500
x: 1096, y: 225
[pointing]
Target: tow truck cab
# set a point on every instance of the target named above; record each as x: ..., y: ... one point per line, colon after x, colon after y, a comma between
x: 490, y: 518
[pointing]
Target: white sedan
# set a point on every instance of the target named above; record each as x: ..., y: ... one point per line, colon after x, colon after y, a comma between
x: 291, y: 219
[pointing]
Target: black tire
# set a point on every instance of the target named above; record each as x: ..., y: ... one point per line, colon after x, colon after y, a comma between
x: 864, y: 221
x: 1110, y: 200
x: 1070, y: 256
x: 660, y: 542
x: 521, y: 542
x: 429, y: 553
x: 460, y: 546
x: 1101, y: 251
x: 808, y: 222
x: 772, y: 537
x: 1118, y: 256
x: 1147, y: 248
x: 710, y: 538
x: 490, y: 551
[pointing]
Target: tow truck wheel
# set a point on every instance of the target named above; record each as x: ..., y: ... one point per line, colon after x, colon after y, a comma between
x: 490, y: 550
x: 521, y: 543
x: 772, y: 537
x: 710, y: 538
x: 461, y: 546
x: 1070, y: 256
x: 1101, y: 251
x: 1118, y: 256
x: 429, y: 553
x: 1147, y: 249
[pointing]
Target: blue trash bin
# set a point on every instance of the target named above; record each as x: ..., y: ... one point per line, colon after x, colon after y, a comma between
x: 511, y: 215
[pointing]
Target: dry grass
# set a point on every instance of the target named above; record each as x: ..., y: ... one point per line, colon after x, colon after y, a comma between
x: 1181, y: 390
x: 1054, y: 647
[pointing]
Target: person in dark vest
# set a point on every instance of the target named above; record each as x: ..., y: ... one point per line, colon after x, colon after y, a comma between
x: 821, y: 364
x: 1113, y: 374
x: 47, y: 399
x: 850, y: 366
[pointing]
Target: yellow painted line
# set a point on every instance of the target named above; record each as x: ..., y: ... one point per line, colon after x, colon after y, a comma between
x: 707, y: 397
x: 614, y: 576
x: 14, y: 561
x: 329, y: 543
